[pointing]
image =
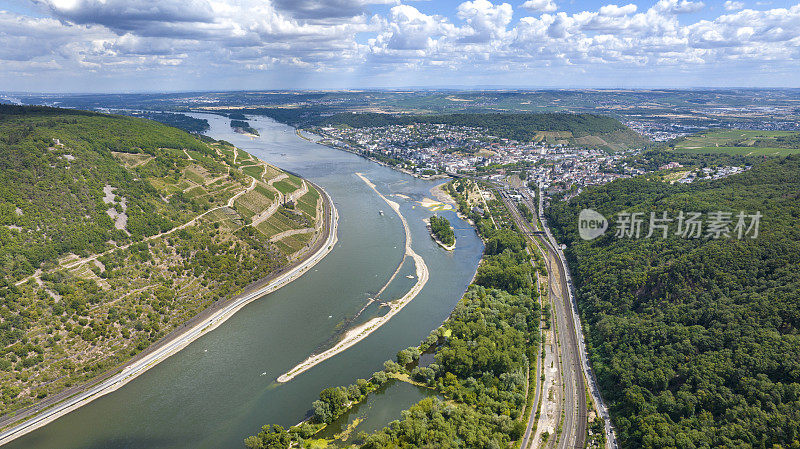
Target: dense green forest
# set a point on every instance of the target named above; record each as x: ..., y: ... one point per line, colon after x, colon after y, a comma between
x: 177, y: 120
x: 695, y: 342
x: 52, y: 172
x: 441, y: 228
x: 483, y: 353
x: 297, y: 117
x: 7, y: 110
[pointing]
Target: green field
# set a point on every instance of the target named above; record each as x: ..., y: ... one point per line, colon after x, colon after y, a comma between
x: 748, y: 143
x: 265, y: 191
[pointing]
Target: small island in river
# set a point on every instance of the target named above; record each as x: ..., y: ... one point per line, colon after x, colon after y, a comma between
x: 442, y: 232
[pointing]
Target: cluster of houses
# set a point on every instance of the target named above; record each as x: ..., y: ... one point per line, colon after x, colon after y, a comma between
x: 446, y: 148
x: 557, y: 168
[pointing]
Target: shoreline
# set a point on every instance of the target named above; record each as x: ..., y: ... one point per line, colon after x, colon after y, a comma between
x: 202, y: 323
x: 358, y: 333
x: 443, y: 196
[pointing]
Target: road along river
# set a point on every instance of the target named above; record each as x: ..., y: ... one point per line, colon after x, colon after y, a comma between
x: 222, y: 387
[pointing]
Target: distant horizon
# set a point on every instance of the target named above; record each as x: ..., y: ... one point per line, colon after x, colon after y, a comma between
x: 399, y: 89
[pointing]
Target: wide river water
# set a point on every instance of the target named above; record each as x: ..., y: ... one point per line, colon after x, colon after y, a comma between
x: 222, y: 388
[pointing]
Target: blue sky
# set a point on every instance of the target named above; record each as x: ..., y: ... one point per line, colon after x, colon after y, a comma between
x: 175, y: 45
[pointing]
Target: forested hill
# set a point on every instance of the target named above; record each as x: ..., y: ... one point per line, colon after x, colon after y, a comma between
x: 517, y: 126
x: 180, y: 121
x: 695, y: 342
x: 116, y: 230
x: 54, y: 164
x: 590, y: 130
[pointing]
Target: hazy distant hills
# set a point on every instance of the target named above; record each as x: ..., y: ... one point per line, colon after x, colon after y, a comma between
x: 670, y: 110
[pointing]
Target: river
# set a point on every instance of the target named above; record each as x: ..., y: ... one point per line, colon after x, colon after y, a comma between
x: 222, y: 388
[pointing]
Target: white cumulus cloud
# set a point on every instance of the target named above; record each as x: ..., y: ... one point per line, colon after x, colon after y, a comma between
x: 172, y: 39
x: 485, y: 21
x: 617, y: 11
x: 679, y: 6
x: 540, y: 5
x: 733, y: 5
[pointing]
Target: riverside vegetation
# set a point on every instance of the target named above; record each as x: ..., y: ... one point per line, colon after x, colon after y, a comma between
x: 695, y: 342
x: 483, y: 353
x: 116, y: 230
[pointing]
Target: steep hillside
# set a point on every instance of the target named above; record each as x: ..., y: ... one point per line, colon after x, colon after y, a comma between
x: 115, y: 230
x: 695, y: 341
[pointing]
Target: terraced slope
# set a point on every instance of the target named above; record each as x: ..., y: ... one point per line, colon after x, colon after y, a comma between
x: 116, y: 230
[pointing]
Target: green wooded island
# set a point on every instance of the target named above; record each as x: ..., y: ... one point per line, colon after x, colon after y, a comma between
x: 442, y: 231
x: 243, y: 127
